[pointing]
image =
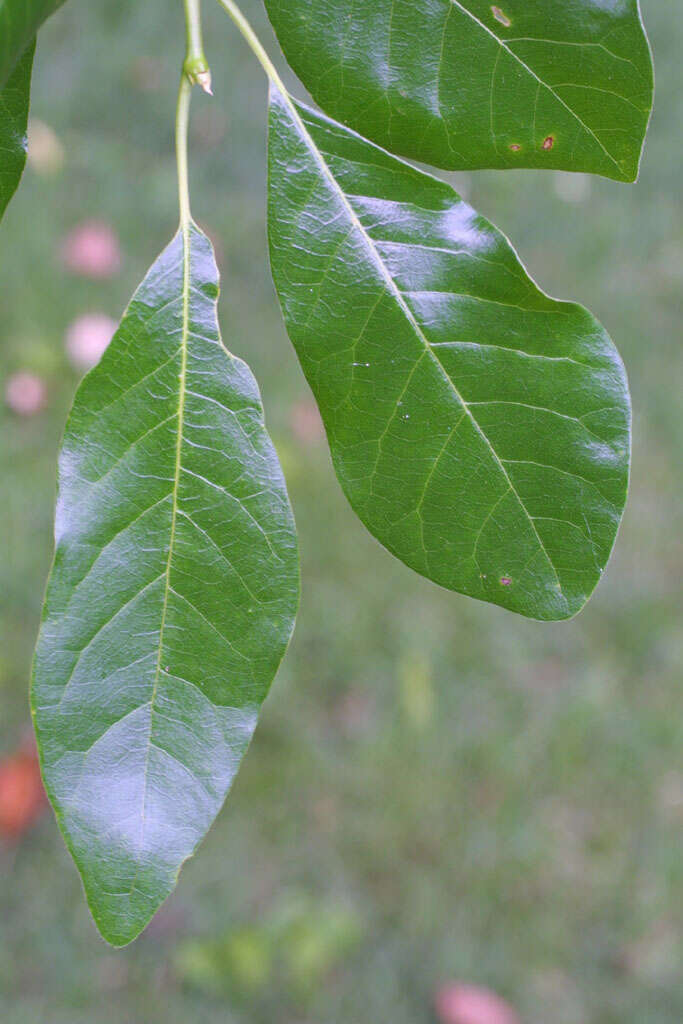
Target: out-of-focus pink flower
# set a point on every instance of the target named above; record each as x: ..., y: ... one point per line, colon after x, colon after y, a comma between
x: 456, y: 1003
x: 25, y: 393
x: 306, y: 423
x: 91, y: 249
x: 87, y: 337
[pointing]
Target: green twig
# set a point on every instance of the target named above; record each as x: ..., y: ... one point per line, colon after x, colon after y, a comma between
x: 254, y: 43
x: 181, y: 123
x: 195, y: 66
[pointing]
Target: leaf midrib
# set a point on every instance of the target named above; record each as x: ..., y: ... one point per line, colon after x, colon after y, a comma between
x: 185, y: 232
x: 502, y: 43
x: 377, y: 259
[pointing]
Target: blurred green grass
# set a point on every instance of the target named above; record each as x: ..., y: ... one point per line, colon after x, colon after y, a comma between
x: 437, y: 788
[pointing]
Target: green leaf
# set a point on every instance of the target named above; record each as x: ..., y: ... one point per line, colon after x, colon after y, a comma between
x: 19, y: 22
x: 468, y: 84
x: 14, y: 104
x: 172, y: 597
x: 479, y: 428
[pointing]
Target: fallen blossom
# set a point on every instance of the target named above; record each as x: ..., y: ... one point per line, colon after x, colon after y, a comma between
x: 25, y: 393
x: 22, y: 797
x: 91, y: 249
x: 87, y: 337
x: 457, y: 1003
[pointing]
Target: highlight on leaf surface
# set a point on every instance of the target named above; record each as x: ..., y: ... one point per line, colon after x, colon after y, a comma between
x: 172, y: 596
x: 479, y: 428
x: 469, y: 84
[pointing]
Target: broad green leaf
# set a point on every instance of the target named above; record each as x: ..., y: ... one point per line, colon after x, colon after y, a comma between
x: 479, y: 428
x: 468, y: 84
x: 19, y: 22
x: 14, y: 104
x: 172, y: 596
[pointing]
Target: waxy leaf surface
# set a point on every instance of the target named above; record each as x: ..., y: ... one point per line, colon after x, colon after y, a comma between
x: 172, y: 596
x: 469, y: 84
x: 479, y: 428
x: 14, y: 104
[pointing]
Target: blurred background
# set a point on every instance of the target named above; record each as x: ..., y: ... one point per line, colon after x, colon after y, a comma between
x: 440, y: 794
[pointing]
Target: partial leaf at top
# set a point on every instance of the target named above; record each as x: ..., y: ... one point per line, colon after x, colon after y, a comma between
x: 470, y: 84
x: 14, y: 103
x: 172, y: 596
x: 19, y: 22
x: 479, y: 428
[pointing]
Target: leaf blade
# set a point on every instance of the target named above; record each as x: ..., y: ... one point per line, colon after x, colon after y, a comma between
x: 19, y: 22
x: 14, y: 106
x: 172, y: 597
x: 452, y: 389
x: 464, y: 84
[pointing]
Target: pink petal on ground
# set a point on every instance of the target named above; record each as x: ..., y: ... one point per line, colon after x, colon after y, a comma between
x: 91, y: 249
x: 25, y: 393
x: 87, y: 337
x: 470, y: 1004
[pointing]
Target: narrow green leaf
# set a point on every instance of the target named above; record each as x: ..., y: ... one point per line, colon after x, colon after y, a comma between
x: 14, y: 103
x: 468, y: 84
x: 19, y: 22
x: 172, y: 597
x: 479, y: 428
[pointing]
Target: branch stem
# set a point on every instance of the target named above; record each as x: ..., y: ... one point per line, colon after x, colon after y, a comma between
x: 181, y: 124
x: 193, y: 26
x: 254, y: 43
x: 196, y: 66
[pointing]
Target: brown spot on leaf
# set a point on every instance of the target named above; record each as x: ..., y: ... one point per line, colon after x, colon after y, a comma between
x: 500, y: 16
x: 505, y: 581
x: 515, y: 147
x: 548, y: 142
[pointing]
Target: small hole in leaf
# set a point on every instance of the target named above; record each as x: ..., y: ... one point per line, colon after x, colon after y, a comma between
x: 500, y: 16
x: 505, y: 581
x: 548, y: 142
